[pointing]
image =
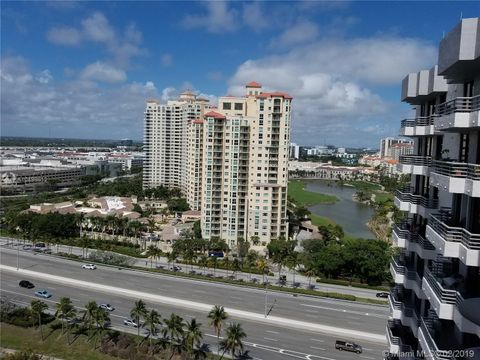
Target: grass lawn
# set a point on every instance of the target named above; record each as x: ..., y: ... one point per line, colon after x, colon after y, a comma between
x: 18, y: 338
x: 381, y: 197
x: 320, y: 220
x: 302, y: 197
x: 364, y: 185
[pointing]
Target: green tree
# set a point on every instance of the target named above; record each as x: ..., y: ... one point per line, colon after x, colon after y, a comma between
x: 174, y: 330
x: 65, y: 311
x: 152, y: 320
x: 89, y: 316
x: 217, y: 317
x: 233, y: 340
x: 138, y: 311
x: 193, y: 335
x: 279, y: 250
x: 37, y: 309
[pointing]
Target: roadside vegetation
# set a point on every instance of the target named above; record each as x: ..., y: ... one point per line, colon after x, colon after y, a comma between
x: 70, y: 333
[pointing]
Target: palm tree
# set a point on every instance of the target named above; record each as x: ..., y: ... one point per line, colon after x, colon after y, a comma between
x: 151, y: 253
x: 262, y: 265
x: 236, y: 266
x: 174, y: 329
x: 203, y: 262
x: 309, y: 272
x: 193, y: 336
x: 233, y: 340
x: 102, y: 320
x: 89, y: 315
x: 152, y: 320
x: 138, y: 311
x: 201, y: 352
x: 65, y: 310
x: 37, y: 308
x: 292, y: 262
x: 217, y: 316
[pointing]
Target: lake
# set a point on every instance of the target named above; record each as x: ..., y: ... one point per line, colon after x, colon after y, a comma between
x: 351, y: 215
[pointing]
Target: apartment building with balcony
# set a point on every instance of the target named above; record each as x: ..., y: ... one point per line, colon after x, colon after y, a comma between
x: 435, y: 304
x: 166, y: 144
x: 245, y: 177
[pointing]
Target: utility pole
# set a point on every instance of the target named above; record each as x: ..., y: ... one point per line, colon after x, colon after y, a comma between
x: 18, y: 255
x: 266, y: 299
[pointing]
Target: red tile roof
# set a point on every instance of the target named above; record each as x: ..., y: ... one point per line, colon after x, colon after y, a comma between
x: 253, y: 84
x: 274, y: 94
x: 215, y: 115
x: 197, y: 121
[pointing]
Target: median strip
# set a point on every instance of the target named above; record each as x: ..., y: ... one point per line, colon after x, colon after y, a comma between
x: 187, y: 304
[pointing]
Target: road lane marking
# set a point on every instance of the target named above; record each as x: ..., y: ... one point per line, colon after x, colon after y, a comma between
x: 342, y: 310
x: 270, y: 339
x: 272, y: 332
x: 236, y: 313
x: 318, y: 340
x: 367, y: 357
x: 316, y: 348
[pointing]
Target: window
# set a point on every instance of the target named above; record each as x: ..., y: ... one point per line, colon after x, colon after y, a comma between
x: 238, y: 106
x: 227, y: 106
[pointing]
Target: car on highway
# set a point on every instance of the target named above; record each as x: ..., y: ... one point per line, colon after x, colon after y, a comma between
x: 348, y: 346
x: 130, y: 322
x: 27, y: 247
x: 89, y: 266
x: 26, y: 284
x: 175, y: 268
x: 43, y: 293
x: 382, y: 294
x: 107, y: 307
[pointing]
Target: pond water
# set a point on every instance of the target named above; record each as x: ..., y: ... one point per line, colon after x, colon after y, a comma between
x: 351, y: 215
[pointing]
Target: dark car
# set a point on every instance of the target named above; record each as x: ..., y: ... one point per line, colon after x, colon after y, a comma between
x: 26, y: 284
x: 382, y: 294
x: 348, y: 346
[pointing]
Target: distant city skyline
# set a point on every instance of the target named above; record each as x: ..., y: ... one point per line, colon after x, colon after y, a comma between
x: 86, y: 69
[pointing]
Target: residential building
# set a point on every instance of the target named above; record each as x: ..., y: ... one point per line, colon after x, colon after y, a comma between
x: 166, y: 140
x: 294, y: 151
x: 386, y: 145
x: 245, y: 176
x: 194, y: 163
x: 436, y: 299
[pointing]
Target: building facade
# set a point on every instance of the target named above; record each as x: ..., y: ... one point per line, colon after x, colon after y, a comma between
x: 389, y: 145
x: 166, y: 140
x: 436, y: 299
x: 245, y: 177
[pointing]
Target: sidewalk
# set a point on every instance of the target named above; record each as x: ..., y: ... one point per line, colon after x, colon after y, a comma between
x: 162, y: 262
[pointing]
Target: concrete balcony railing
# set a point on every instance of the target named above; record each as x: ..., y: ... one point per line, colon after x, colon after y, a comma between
x: 429, y: 346
x: 408, y: 278
x: 393, y: 341
x: 456, y: 177
x: 413, y: 241
x: 423, y: 125
x: 456, y: 234
x: 459, y: 104
x: 401, y: 311
x: 406, y: 200
x: 445, y: 296
x: 414, y: 164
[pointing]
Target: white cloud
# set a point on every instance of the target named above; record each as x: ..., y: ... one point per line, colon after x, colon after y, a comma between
x: 64, y: 36
x: 330, y: 81
x: 97, y: 28
x: 166, y: 60
x: 103, y: 72
x: 217, y: 19
x: 254, y: 17
x: 303, y: 31
x: 31, y: 106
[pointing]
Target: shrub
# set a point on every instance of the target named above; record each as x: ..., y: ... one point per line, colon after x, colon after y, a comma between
x: 111, y: 258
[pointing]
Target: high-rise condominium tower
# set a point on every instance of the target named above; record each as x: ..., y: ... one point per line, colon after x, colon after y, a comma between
x: 245, y: 172
x: 166, y: 141
x: 435, y: 304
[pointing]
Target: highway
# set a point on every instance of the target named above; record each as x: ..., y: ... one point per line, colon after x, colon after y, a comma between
x: 297, y: 327
x: 366, y: 293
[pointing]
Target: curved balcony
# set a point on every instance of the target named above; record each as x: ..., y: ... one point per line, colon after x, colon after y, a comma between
x: 442, y: 300
x: 406, y: 277
x: 419, y: 126
x: 459, y: 113
x: 392, y: 337
x: 405, y: 200
x: 403, y: 237
x: 429, y: 345
x: 401, y: 311
x: 414, y: 164
x: 456, y: 177
x: 453, y: 241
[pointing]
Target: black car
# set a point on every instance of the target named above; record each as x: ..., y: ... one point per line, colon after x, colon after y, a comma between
x: 382, y: 294
x: 26, y: 284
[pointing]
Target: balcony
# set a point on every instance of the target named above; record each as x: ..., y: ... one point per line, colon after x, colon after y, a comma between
x: 456, y: 177
x: 452, y: 240
x: 404, y: 312
x: 459, y: 113
x: 441, y: 299
x: 404, y: 238
x: 429, y: 346
x: 405, y: 200
x: 392, y: 337
x: 407, y: 277
x: 414, y: 164
x: 419, y: 126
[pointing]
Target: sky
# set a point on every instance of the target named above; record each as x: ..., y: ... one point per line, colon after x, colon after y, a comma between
x: 85, y: 69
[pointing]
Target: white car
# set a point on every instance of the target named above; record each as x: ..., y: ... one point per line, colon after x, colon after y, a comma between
x: 89, y: 266
x: 107, y: 307
x: 129, y: 322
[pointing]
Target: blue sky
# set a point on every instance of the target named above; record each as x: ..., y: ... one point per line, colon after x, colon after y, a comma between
x: 85, y: 69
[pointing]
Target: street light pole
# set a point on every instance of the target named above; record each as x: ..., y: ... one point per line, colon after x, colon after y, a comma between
x: 18, y: 254
x: 266, y: 300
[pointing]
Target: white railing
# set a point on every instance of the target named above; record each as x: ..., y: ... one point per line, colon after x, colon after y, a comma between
x: 470, y: 240
x: 416, y: 160
x: 457, y: 169
x: 459, y: 104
